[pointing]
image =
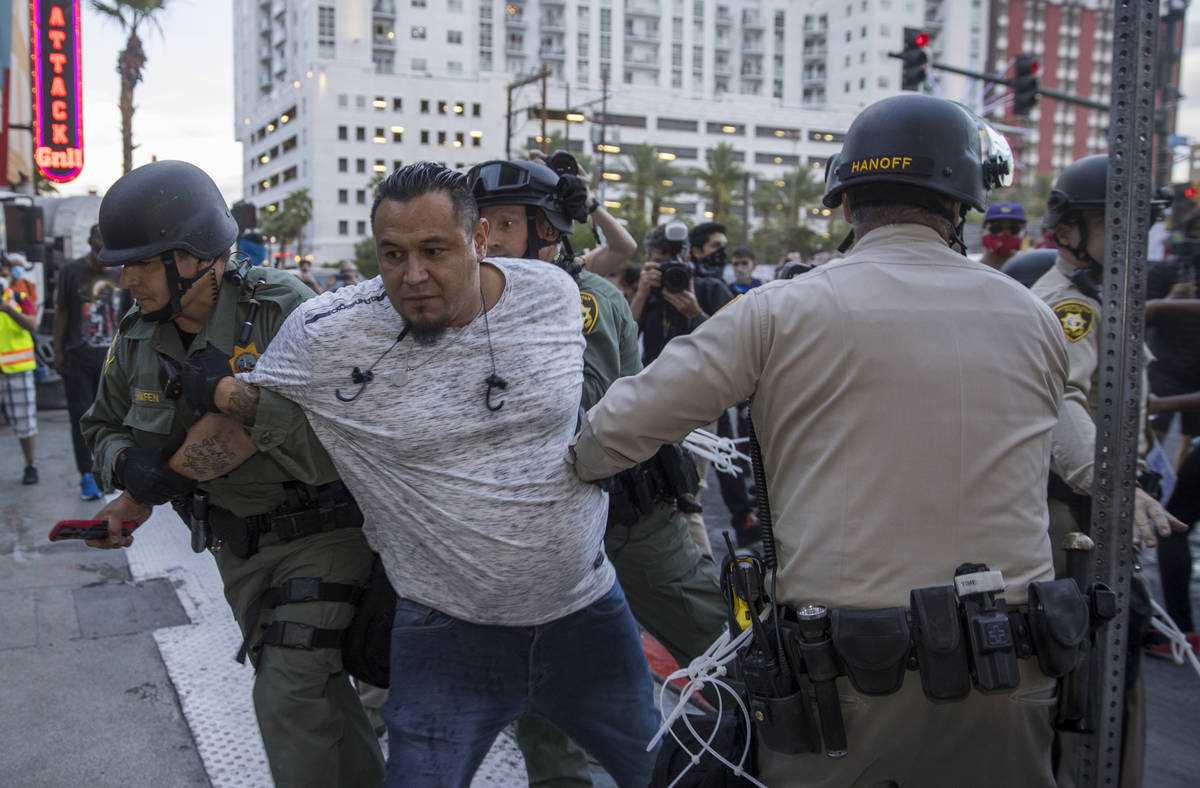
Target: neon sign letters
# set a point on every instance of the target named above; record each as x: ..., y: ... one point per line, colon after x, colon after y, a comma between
x: 57, y: 88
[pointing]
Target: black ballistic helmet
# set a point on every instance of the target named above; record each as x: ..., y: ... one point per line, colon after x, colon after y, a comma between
x: 1082, y: 186
x: 519, y: 183
x: 924, y: 142
x: 1028, y: 267
x: 163, y: 206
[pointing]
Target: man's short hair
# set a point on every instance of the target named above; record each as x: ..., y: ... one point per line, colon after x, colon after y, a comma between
x: 700, y: 234
x: 744, y: 251
x: 413, y: 180
x: 867, y: 209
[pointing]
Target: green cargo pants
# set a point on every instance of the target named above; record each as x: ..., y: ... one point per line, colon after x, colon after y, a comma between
x: 313, y: 726
x: 674, y: 591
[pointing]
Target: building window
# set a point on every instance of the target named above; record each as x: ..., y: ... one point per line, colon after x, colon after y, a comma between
x: 360, y: 165
x: 424, y: 106
x: 343, y: 196
x: 341, y: 132
x: 326, y: 31
x: 343, y: 100
x: 361, y: 227
x: 379, y: 135
x: 454, y: 67
x: 360, y: 134
x: 397, y: 105
x: 397, y: 134
x: 441, y: 138
x: 424, y: 136
x: 453, y: 36
x: 441, y: 108
x: 343, y: 227
x: 360, y: 196
x: 418, y: 3
x: 418, y: 64
x: 476, y: 110
x: 342, y: 165
x: 418, y: 32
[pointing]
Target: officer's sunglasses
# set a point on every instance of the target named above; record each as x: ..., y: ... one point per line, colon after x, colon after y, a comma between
x: 497, y: 176
x: 1012, y: 228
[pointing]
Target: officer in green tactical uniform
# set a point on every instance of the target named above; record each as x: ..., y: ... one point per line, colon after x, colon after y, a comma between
x: 286, y: 535
x: 672, y: 587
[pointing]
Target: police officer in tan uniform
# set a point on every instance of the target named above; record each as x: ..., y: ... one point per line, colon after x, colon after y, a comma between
x: 1075, y: 216
x: 904, y: 398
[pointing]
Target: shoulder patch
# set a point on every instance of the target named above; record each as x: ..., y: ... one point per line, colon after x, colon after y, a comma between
x: 244, y: 359
x: 1076, y: 318
x: 590, y: 311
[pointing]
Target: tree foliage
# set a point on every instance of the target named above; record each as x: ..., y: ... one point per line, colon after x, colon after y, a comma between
x: 131, y: 15
x: 723, y: 179
x: 288, y: 222
x: 651, y: 178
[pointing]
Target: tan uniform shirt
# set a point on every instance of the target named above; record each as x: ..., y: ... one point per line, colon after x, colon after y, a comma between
x: 1074, y: 446
x: 904, y: 399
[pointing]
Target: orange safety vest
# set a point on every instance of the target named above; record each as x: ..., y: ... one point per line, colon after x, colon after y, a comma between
x: 16, y: 344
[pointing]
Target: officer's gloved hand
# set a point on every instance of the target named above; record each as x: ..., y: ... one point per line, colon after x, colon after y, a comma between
x: 143, y: 473
x: 572, y: 195
x: 201, y: 373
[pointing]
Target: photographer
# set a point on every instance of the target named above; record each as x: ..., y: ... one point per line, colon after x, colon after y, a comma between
x: 673, y: 297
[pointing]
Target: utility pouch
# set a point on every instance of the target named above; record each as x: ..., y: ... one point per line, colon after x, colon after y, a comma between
x: 238, y: 535
x: 367, y: 651
x: 874, y: 646
x: 785, y: 725
x: 621, y: 510
x: 940, y: 646
x: 1059, y: 621
x: 641, y: 490
x: 678, y: 470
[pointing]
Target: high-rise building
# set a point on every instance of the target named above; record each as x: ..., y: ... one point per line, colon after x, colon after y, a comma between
x: 1072, y: 42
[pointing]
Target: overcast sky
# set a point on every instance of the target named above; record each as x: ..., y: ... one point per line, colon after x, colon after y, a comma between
x: 185, y: 105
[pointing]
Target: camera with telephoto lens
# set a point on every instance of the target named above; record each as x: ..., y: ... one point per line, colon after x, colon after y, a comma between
x: 563, y: 163
x: 676, y: 274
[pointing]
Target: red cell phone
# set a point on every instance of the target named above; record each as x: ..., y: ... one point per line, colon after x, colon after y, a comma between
x: 87, y: 529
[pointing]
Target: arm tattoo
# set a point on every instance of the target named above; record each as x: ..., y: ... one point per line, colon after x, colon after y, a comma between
x: 210, y: 458
x: 243, y: 404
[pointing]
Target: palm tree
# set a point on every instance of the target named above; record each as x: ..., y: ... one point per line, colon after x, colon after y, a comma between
x: 650, y: 177
x: 721, y: 178
x: 288, y: 222
x: 130, y: 14
x: 788, y: 196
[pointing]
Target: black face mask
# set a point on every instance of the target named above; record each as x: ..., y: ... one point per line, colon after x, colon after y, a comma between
x: 713, y: 265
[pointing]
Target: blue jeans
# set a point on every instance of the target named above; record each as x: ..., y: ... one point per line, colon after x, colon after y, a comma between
x: 456, y: 685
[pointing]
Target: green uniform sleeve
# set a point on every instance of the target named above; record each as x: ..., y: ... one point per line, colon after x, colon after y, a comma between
x: 103, y: 425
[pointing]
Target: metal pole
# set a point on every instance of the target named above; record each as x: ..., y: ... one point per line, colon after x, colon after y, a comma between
x: 1130, y: 186
x: 567, y: 121
x: 603, y: 130
x: 508, y: 125
x: 544, y: 81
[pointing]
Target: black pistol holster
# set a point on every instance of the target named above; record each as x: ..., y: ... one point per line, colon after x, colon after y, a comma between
x: 666, y: 477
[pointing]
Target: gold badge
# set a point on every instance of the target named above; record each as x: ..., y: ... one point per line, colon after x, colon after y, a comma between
x: 244, y: 358
x: 590, y: 311
x: 1076, y: 318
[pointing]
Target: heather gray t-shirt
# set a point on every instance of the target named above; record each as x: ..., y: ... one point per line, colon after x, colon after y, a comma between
x: 476, y: 513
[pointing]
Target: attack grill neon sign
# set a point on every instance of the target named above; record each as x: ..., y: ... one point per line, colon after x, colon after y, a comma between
x: 57, y: 88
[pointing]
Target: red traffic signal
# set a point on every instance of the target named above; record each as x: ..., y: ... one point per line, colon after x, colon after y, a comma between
x: 921, y: 39
x: 1189, y: 192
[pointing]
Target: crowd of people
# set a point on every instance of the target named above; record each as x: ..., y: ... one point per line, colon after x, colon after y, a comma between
x: 494, y: 426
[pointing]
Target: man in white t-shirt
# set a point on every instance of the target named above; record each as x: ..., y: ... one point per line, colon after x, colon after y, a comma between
x: 446, y: 393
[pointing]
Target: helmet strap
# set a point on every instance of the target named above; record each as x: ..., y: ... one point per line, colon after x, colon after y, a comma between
x: 177, y: 287
x: 1080, y: 251
x: 533, y: 242
x: 956, y: 239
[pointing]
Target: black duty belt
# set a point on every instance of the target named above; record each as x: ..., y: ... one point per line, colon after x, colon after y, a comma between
x: 310, y: 510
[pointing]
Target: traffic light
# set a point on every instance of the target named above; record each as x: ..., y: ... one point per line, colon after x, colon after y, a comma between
x: 1183, y: 205
x: 914, y: 59
x: 1025, y: 85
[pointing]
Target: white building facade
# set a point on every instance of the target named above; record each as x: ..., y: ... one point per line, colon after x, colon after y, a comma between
x: 328, y: 94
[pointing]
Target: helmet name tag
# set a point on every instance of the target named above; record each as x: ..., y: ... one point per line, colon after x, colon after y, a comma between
x: 909, y: 165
